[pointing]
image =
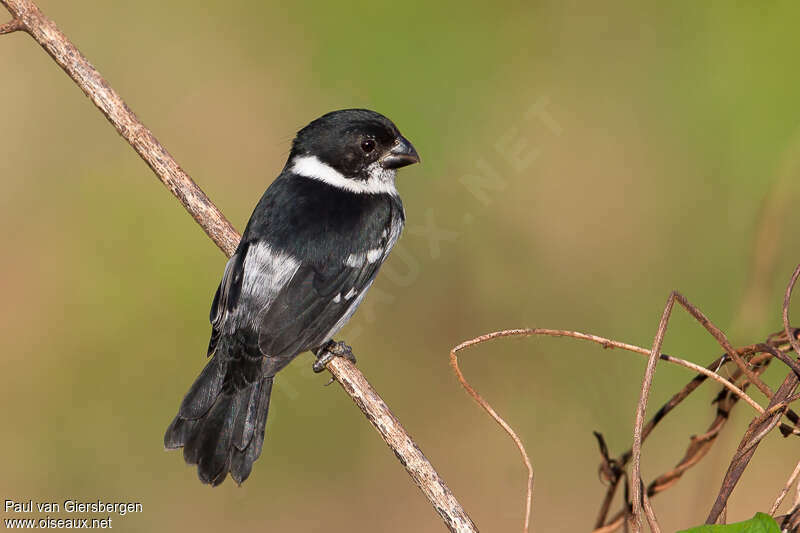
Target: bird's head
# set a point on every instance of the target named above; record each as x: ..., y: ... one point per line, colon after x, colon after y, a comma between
x: 354, y: 149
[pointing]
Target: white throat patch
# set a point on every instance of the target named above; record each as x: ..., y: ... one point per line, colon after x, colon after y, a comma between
x: 381, y: 180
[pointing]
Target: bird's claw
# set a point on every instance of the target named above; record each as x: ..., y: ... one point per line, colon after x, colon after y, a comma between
x: 333, y: 349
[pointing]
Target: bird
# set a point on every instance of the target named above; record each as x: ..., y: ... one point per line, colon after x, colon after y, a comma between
x: 308, y: 255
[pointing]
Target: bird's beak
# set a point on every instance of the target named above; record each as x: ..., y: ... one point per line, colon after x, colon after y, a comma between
x: 400, y: 155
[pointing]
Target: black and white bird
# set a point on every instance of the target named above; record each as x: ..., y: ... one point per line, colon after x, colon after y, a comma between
x: 311, y: 249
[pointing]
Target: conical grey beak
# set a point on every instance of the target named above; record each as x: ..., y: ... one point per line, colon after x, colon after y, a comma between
x: 400, y: 155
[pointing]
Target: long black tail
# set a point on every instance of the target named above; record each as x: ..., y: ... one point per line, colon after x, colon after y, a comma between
x: 221, y: 423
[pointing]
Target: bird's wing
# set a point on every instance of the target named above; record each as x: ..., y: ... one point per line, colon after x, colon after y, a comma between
x: 315, y: 304
x: 227, y: 295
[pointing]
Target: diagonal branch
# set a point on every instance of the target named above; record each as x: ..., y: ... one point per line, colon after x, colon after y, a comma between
x: 29, y: 18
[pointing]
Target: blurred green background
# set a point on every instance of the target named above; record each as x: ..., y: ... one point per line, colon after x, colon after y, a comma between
x: 624, y: 149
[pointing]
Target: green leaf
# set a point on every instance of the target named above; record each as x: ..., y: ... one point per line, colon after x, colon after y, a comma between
x: 760, y: 523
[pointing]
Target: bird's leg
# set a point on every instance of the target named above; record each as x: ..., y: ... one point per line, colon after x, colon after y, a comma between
x: 327, y: 352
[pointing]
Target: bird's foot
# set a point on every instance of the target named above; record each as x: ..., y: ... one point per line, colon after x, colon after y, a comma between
x: 326, y: 353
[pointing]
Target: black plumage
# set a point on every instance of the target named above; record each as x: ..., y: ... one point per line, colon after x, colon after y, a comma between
x: 311, y: 249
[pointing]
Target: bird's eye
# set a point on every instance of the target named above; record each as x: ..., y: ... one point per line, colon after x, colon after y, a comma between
x: 368, y: 145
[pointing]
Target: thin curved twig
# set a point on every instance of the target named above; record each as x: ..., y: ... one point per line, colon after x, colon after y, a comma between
x: 609, y: 343
x: 497, y: 418
x: 602, y: 341
x: 785, y: 490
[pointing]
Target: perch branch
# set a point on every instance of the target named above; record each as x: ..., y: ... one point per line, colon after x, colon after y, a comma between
x: 28, y: 17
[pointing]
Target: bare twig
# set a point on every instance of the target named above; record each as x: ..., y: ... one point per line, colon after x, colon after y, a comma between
x: 609, y: 343
x: 651, y: 515
x: 723, y: 341
x: 613, y: 470
x: 488, y: 408
x: 781, y: 356
x: 716, y: 377
x: 759, y: 357
x: 611, y: 466
x: 758, y: 427
x: 641, y: 407
x: 785, y: 490
x: 771, y: 421
x: 647, y: 382
x: 11, y: 26
x: 748, y: 445
x: 699, y: 445
x: 29, y: 18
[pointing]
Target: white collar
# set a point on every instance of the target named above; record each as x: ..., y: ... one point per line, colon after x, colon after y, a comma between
x: 381, y: 180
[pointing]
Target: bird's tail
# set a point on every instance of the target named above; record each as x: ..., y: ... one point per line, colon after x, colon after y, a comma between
x: 220, y: 424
